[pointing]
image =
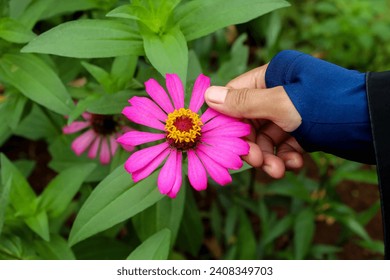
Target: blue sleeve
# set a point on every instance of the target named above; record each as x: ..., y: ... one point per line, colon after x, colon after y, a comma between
x: 332, y: 102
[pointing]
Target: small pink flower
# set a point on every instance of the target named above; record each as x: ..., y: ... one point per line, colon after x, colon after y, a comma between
x: 211, y: 141
x: 99, y: 138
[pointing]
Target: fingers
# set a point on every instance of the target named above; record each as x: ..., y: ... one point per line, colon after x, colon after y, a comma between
x: 269, y: 136
x: 291, y: 153
x: 254, y: 78
x: 271, y: 114
x: 271, y: 104
x: 272, y: 164
x: 255, y: 156
x: 278, y: 149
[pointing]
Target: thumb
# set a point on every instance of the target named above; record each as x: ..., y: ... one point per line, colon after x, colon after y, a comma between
x: 271, y: 104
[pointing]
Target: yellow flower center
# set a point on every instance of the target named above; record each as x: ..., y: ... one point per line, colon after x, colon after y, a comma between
x: 183, y: 129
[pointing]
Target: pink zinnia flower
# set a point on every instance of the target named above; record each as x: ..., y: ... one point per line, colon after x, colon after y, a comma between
x: 211, y: 141
x: 99, y: 138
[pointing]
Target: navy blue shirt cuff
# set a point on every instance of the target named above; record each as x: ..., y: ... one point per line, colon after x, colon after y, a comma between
x: 331, y: 100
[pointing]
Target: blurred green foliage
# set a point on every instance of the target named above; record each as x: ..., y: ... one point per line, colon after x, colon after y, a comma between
x: 354, y: 34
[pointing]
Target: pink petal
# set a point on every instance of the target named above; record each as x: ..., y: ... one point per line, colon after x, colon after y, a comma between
x: 208, y: 115
x: 149, y: 106
x: 237, y: 129
x: 141, y: 116
x: 142, y: 158
x: 196, y: 172
x: 177, y: 185
x: 217, y: 172
x: 175, y: 89
x: 167, y: 177
x: 74, y: 127
x: 234, y: 144
x: 105, y: 155
x: 128, y: 148
x: 87, y: 116
x: 218, y: 121
x: 200, y: 86
x: 135, y: 138
x: 153, y: 164
x: 224, y: 157
x: 113, y: 145
x: 92, y: 153
x: 158, y: 94
x: 81, y: 143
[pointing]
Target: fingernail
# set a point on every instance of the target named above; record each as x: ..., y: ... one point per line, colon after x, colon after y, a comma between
x: 267, y: 169
x: 291, y: 163
x: 216, y: 94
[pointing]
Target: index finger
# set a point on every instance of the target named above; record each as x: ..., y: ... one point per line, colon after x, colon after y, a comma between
x: 254, y: 78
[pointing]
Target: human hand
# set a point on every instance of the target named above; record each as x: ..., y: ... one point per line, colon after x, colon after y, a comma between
x: 271, y: 114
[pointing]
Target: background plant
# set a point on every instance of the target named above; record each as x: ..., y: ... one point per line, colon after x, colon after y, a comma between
x: 99, y: 52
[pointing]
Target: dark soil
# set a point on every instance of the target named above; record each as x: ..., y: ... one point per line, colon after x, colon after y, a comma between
x: 17, y: 148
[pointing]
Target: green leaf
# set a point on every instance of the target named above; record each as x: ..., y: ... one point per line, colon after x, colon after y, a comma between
x: 319, y: 250
x: 5, y: 131
x: 361, y: 176
x: 29, y: 12
x: 37, y: 81
x: 4, y: 198
x: 246, y: 240
x: 124, y: 66
x: 155, y: 247
x: 155, y: 15
x: 278, y: 229
x: 13, y: 248
x: 102, y: 248
x: 14, y: 107
x: 191, y: 227
x: 4, y: 8
x: 194, y: 67
x: 168, y: 52
x: 303, y: 233
x: 25, y: 166
x: 17, y: 7
x: 39, y: 224
x: 89, y: 38
x: 216, y: 221
x: 123, y: 69
x: 375, y: 246
x: 100, y: 75
x: 15, y: 32
x: 111, y: 104
x: 114, y: 200
x: 22, y: 196
x: 63, y: 157
x: 81, y: 107
x: 166, y: 213
x: 234, y: 66
x: 36, y: 125
x: 60, y: 191
x: 288, y: 188
x: 355, y: 227
x: 231, y: 221
x: 62, y: 7
x: 244, y: 167
x: 125, y: 11
x: 202, y: 17
x: 365, y: 216
x: 56, y: 249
